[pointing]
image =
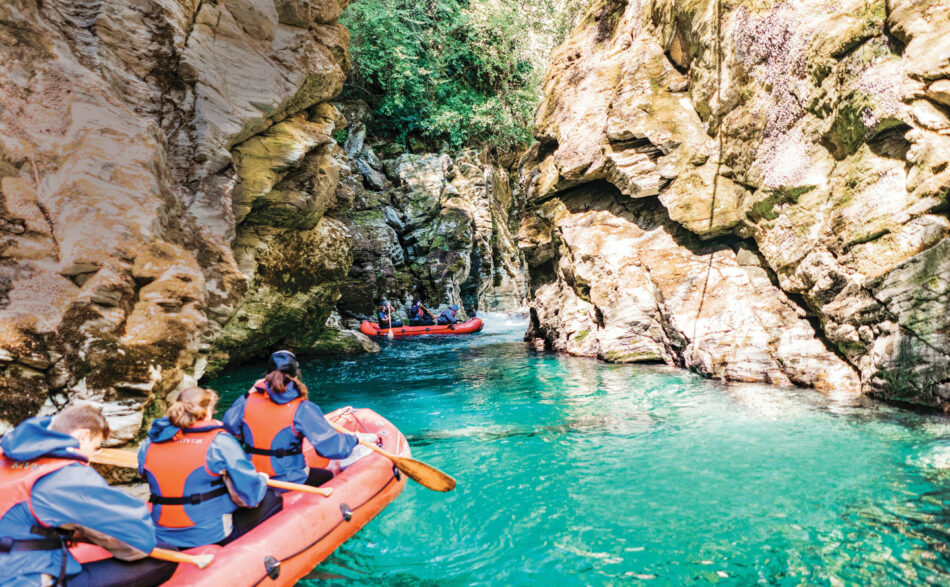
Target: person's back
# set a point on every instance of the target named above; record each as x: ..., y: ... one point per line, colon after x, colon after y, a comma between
x: 47, y: 492
x: 419, y: 315
x: 274, y: 417
x: 448, y: 315
x: 198, y: 475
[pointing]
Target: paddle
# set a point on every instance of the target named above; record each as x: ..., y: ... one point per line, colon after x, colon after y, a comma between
x: 199, y: 560
x: 390, y: 334
x: 124, y: 458
x: 423, y: 474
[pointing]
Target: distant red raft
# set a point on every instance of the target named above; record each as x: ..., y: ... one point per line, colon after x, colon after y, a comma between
x: 374, y: 329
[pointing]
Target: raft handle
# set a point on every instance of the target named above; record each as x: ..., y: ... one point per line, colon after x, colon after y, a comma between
x: 346, y: 511
x: 272, y: 566
x: 397, y: 474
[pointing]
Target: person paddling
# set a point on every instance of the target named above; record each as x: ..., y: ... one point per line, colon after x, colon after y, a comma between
x: 204, y: 489
x: 448, y: 315
x: 275, y: 416
x: 49, y: 496
x: 419, y: 315
x: 385, y: 316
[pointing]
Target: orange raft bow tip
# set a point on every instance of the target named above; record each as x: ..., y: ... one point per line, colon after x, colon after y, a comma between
x: 290, y: 544
x: 470, y: 327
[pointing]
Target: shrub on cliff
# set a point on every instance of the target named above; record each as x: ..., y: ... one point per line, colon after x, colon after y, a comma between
x: 462, y: 71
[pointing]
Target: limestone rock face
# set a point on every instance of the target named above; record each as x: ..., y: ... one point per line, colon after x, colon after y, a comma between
x: 795, y: 153
x: 139, y: 142
x: 439, y: 228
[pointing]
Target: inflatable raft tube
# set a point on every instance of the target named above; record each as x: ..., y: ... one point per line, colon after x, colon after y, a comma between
x: 310, y: 527
x: 470, y: 327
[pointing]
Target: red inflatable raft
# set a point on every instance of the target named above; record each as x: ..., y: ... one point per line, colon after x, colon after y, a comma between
x: 374, y: 329
x: 310, y: 527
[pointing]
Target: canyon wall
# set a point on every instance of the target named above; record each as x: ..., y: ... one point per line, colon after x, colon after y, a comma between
x: 756, y: 190
x: 175, y: 198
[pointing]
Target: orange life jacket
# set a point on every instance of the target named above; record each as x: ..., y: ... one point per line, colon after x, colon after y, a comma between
x: 266, y: 419
x: 170, y: 464
x: 18, y: 477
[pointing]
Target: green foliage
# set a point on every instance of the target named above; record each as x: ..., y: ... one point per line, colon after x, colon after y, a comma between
x: 461, y: 71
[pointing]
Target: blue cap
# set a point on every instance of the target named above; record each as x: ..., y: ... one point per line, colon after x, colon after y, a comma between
x: 454, y: 307
x: 284, y: 361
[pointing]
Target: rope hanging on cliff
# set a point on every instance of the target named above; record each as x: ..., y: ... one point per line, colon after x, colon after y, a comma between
x: 712, y: 205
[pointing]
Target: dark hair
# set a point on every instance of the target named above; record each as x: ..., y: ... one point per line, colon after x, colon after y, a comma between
x: 81, y: 416
x: 277, y: 381
x: 191, y: 405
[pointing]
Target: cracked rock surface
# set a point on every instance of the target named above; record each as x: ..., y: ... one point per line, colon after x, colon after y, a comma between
x: 793, y: 160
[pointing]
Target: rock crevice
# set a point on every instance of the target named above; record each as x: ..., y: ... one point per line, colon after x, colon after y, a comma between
x: 816, y: 134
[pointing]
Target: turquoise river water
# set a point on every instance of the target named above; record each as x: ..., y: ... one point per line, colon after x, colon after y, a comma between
x: 576, y: 472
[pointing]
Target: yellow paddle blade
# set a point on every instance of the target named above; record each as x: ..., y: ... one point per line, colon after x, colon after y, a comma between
x: 116, y: 457
x: 199, y: 560
x: 423, y: 474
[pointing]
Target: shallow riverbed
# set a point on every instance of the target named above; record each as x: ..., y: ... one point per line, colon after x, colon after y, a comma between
x: 577, y: 472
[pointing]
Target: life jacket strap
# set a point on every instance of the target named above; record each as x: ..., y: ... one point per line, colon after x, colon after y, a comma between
x: 279, y: 453
x: 56, y: 539
x: 193, y: 499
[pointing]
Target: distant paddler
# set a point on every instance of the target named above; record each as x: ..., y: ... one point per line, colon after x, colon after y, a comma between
x: 419, y: 315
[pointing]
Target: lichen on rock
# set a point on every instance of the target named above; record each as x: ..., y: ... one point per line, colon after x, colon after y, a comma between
x: 811, y: 139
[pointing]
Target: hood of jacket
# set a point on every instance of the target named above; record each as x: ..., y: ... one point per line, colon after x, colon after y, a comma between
x: 290, y: 393
x: 33, y: 439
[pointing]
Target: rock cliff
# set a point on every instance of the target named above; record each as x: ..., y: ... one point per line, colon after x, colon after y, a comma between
x: 173, y: 199
x: 756, y: 190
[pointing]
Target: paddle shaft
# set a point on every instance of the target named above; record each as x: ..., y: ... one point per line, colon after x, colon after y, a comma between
x: 199, y: 560
x: 422, y: 473
x: 122, y: 458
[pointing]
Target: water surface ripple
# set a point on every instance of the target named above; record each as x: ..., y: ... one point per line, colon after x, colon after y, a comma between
x: 576, y: 472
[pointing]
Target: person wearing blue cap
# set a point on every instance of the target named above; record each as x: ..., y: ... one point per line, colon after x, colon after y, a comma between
x: 448, y: 315
x: 384, y: 316
x: 419, y: 315
x: 274, y: 417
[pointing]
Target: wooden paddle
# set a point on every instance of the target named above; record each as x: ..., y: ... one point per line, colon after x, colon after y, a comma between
x: 390, y: 334
x: 423, y: 474
x: 124, y: 458
x: 199, y: 560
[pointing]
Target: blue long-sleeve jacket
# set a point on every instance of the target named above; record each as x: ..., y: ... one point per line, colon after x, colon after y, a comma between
x: 224, y: 454
x: 447, y: 316
x: 308, y: 421
x: 73, y: 497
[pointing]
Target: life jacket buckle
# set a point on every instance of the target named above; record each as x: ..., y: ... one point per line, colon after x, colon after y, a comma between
x: 6, y: 544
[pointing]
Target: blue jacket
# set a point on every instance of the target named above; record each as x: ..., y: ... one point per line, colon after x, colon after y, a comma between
x: 383, y: 318
x: 308, y: 421
x: 417, y: 312
x: 210, y: 517
x: 75, y: 496
x: 448, y: 315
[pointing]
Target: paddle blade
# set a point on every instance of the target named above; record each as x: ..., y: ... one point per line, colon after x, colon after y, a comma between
x: 199, y: 560
x: 423, y: 474
x: 390, y: 334
x: 116, y: 458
